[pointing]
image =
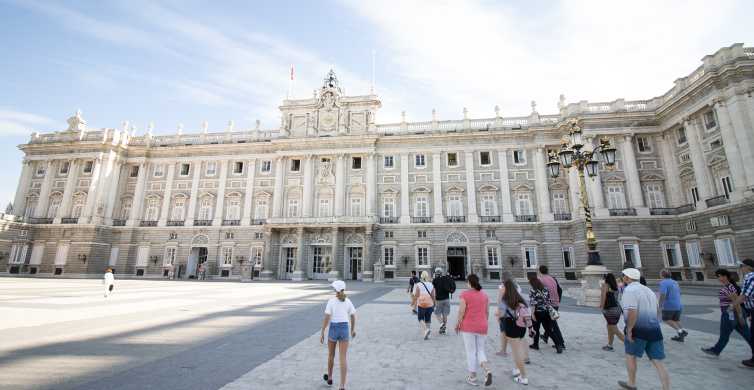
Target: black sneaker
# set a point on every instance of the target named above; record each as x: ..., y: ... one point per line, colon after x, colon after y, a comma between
x: 748, y: 363
x: 710, y: 351
x: 677, y: 338
x: 684, y: 333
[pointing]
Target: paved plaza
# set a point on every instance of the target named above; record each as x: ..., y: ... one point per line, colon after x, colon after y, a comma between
x: 62, y: 334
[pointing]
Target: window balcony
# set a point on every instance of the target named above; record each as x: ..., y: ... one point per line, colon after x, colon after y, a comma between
x: 175, y: 223
x: 119, y: 222
x: 562, y: 216
x: 717, y: 201
x: 388, y: 219
x: 490, y: 218
x: 622, y: 212
x: 148, y: 223
x: 231, y: 222
x: 687, y: 208
x: 69, y: 220
x: 455, y: 219
x: 41, y: 221
x: 258, y: 221
x: 526, y: 218
x: 421, y: 219
x: 663, y: 211
x: 202, y: 222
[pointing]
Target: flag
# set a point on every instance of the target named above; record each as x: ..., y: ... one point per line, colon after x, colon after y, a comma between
x: 293, y: 74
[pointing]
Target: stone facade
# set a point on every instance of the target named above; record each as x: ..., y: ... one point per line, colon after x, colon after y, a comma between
x: 331, y: 191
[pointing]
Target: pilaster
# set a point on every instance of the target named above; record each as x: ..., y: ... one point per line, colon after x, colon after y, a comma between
x: 405, y: 210
x: 219, y: 206
x: 70, y: 185
x: 44, y: 192
x: 471, y: 187
x: 136, y: 205
x: 542, y: 189
x: 340, y: 185
x: 437, y: 187
x: 505, y: 186
x: 167, y: 194
x: 247, y: 200
x: 635, y: 196
x: 733, y: 154
x: 19, y: 201
x: 299, y: 273
x: 196, y: 177
x: 308, y: 187
x: 699, y: 162
x: 91, y: 194
x: 277, y: 195
x: 670, y: 167
x: 371, y: 186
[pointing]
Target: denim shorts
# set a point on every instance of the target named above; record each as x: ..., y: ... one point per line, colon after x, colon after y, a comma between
x: 655, y: 349
x: 338, y: 331
x: 425, y: 313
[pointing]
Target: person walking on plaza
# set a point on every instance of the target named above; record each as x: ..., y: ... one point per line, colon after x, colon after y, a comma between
x: 411, y: 282
x: 517, y: 320
x: 731, y: 315
x: 424, y: 301
x: 643, y: 333
x: 109, y: 282
x: 670, y: 302
x: 338, y: 313
x: 542, y: 313
x: 473, y: 315
x: 200, y: 271
x: 445, y: 286
x: 611, y: 310
x: 553, y: 287
x: 747, y: 298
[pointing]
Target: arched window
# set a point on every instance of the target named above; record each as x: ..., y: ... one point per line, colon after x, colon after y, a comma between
x: 79, y: 201
x: 125, y: 208
x: 455, y: 205
x: 52, y: 209
x: 205, y: 208
x: 489, y: 204
x: 179, y: 206
x: 260, y: 210
x: 523, y: 204
x: 233, y: 208
x: 655, y: 197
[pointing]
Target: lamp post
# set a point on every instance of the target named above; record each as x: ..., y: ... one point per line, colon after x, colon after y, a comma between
x: 575, y: 154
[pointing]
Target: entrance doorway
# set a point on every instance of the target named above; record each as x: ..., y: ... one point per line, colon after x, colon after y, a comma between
x: 355, y: 256
x: 197, y: 256
x: 289, y: 261
x: 320, y: 260
x: 457, y: 262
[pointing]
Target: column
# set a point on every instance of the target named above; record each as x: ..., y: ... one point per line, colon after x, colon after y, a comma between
x: 741, y: 109
x: 371, y: 186
x: 308, y: 187
x: 19, y: 202
x: 505, y: 186
x: 635, y: 196
x: 699, y: 162
x: 277, y: 195
x: 44, y: 192
x: 541, y: 186
x: 340, y: 185
x: 91, y: 193
x: 247, y: 207
x: 437, y: 187
x: 108, y: 172
x: 334, y: 273
x: 70, y: 185
x: 167, y: 194
x: 471, y: 187
x: 575, y: 192
x: 141, y: 179
x: 405, y: 210
x: 732, y: 152
x: 219, y: 206
x: 367, y: 265
x: 596, y: 193
x: 112, y: 191
x: 266, y: 272
x: 299, y: 273
x: 673, y: 188
x: 197, y: 167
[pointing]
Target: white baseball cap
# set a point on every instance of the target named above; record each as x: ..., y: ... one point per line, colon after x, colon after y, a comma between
x: 438, y: 270
x: 632, y: 273
x: 338, y: 285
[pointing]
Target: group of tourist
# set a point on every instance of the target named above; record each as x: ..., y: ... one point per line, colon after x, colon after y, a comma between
x: 641, y: 308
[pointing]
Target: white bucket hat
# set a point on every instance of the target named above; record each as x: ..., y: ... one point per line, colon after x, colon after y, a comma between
x: 632, y: 273
x: 338, y: 285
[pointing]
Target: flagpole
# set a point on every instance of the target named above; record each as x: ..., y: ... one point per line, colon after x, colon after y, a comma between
x: 374, y: 53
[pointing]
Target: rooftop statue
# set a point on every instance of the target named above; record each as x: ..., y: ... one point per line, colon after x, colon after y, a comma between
x: 76, y: 122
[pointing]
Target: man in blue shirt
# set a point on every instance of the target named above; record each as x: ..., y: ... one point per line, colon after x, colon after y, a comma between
x: 747, y: 298
x: 670, y: 304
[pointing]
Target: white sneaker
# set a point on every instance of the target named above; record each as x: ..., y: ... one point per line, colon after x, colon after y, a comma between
x: 521, y: 380
x: 426, y: 334
x: 516, y: 373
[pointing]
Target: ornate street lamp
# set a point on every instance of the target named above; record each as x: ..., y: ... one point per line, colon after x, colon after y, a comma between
x: 573, y: 153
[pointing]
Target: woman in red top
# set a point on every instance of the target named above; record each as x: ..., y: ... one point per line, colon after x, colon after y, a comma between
x: 473, y: 314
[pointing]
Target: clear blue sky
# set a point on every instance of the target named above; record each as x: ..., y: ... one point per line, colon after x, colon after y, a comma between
x: 171, y: 62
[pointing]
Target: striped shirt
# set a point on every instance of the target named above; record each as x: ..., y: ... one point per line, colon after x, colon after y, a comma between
x: 725, y: 296
x: 748, y: 290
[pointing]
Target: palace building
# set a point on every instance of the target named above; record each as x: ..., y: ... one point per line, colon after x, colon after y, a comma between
x: 334, y: 193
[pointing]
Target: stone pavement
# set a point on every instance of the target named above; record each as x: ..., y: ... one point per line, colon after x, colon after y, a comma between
x: 388, y: 353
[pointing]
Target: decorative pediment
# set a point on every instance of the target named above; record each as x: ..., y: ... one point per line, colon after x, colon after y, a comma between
x: 206, y: 194
x: 320, y: 238
x: 233, y: 194
x: 354, y: 239
x: 455, y: 188
x: 154, y: 195
x: 82, y: 193
x: 717, y: 159
x: 390, y: 191
x: 614, y: 178
x: 523, y: 187
x: 288, y: 239
x: 456, y: 237
x: 55, y: 193
x: 262, y: 194
x: 686, y: 172
x: 422, y: 189
x: 181, y: 194
x: 651, y: 177
x: 199, y: 240
x: 558, y: 186
x: 487, y: 188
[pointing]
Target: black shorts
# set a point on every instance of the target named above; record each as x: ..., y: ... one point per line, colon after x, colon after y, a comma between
x: 512, y: 330
x: 671, y: 315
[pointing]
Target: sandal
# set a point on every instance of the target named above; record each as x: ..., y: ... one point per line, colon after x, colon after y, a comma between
x: 471, y: 380
x: 327, y: 379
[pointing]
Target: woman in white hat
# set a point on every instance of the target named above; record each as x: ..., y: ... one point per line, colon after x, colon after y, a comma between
x: 338, y: 313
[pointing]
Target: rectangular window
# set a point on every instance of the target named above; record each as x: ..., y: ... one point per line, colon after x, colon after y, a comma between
x: 642, y: 143
x: 238, y: 167
x: 185, y: 169
x: 388, y: 256
x: 727, y: 186
x: 293, y: 207
x: 725, y: 254
x: 258, y: 236
x: 134, y: 171
x: 672, y: 252
x: 266, y: 166
x: 655, y: 197
x: 114, y: 251
x: 615, y: 197
x: 40, y: 169
x: 530, y: 257
x: 421, y: 234
x: 227, y: 256
x: 492, y: 258
x: 489, y: 205
x: 159, y: 170
x: 169, y: 258
x: 490, y: 234
x: 422, y: 206
x: 211, y: 168
x: 484, y: 158
x: 422, y: 256
x: 356, y: 163
x: 694, y: 195
x: 559, y: 203
x: 709, y: 119
x: 567, y: 257
x: 318, y: 264
x: 455, y: 207
x: 523, y: 204
x: 419, y: 161
x: 452, y: 159
x: 519, y: 157
x: 295, y: 165
x: 64, y: 168
x: 681, y: 135
x: 290, y: 259
x: 631, y: 255
x: 324, y: 207
x: 694, y: 254
x: 256, y: 255
x: 260, y: 211
x: 388, y: 162
x: 142, y: 256
x: 388, y: 207
x: 356, y: 207
x: 389, y: 234
x: 88, y: 166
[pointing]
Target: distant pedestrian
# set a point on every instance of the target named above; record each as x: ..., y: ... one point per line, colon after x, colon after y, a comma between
x: 556, y: 293
x: 424, y: 301
x: 171, y: 271
x: 611, y: 310
x: 338, y: 313
x: 542, y: 313
x: 109, y: 282
x: 643, y: 333
x: 411, y: 282
x: 670, y: 303
x: 445, y: 286
x: 747, y: 298
x: 473, y: 316
x: 517, y: 320
x: 731, y: 315
x: 201, y: 271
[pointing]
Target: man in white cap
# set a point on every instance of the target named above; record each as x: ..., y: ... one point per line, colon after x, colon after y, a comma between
x: 643, y: 333
x: 445, y: 286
